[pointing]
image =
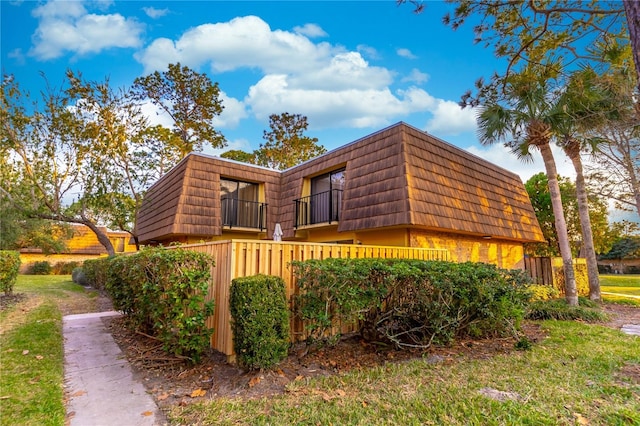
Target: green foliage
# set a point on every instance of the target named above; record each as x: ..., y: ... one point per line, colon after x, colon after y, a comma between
x: 260, y: 320
x: 240, y: 155
x: 190, y: 99
x: 558, y: 309
x: 286, y: 145
x: 543, y: 292
x: 538, y: 190
x: 65, y: 268
x: 410, y: 303
x: 624, y: 248
x: 40, y: 268
x: 95, y: 272
x: 9, y: 267
x: 164, y: 292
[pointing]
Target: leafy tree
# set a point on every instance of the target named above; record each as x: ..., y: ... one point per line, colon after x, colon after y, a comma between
x: 624, y: 248
x: 286, y: 145
x: 525, y: 123
x: 190, y: 99
x: 239, y: 155
x: 615, y: 169
x: 563, y: 33
x: 49, y: 151
x: 603, y: 233
x: 83, y: 154
x: 127, y: 154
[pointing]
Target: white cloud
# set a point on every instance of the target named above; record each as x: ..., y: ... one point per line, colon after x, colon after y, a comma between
x: 405, y: 53
x: 244, y: 42
x: 237, y: 144
x: 18, y: 56
x: 154, y: 13
x: 368, y: 51
x: 329, y: 84
x: 344, y: 71
x: 450, y: 119
x: 416, y: 76
x: 310, y: 30
x: 326, y: 108
x: 234, y: 111
x: 66, y: 26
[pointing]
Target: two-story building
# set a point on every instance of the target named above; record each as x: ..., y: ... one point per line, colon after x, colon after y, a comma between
x: 397, y: 187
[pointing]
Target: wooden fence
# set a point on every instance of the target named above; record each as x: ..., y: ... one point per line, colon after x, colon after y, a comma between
x: 539, y: 269
x: 240, y: 258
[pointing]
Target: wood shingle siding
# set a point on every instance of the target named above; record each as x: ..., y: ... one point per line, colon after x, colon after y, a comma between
x: 396, y: 178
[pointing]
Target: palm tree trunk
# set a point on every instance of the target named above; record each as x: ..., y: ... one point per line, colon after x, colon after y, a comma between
x: 570, y: 288
x: 573, y: 152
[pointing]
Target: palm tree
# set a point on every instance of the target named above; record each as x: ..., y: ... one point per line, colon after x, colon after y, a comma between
x: 526, y: 122
x: 581, y: 106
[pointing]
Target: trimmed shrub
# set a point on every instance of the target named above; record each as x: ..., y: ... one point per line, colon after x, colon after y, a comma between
x: 39, y: 268
x: 410, y: 303
x: 95, y: 272
x: 65, y: 268
x: 163, y: 292
x: 9, y: 267
x: 260, y: 321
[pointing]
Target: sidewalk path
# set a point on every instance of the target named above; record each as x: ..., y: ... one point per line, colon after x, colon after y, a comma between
x: 99, y: 382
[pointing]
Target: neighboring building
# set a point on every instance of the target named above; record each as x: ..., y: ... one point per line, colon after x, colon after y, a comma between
x: 397, y: 187
x: 82, y: 246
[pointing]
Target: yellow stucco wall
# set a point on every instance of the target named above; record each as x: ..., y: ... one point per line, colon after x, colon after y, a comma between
x: 504, y: 254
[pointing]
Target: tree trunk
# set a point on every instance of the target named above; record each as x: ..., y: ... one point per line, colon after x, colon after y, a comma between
x: 632, y: 10
x: 103, y: 238
x: 570, y: 288
x: 573, y: 152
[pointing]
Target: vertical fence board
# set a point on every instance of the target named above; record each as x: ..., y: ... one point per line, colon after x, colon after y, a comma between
x: 239, y: 258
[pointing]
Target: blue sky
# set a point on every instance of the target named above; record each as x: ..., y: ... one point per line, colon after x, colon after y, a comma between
x: 351, y: 67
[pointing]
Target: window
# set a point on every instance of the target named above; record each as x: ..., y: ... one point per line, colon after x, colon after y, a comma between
x: 323, y: 205
x: 240, y: 206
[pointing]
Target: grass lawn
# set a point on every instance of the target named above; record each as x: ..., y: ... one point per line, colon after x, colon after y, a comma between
x: 581, y: 374
x: 31, y: 351
x: 621, y: 284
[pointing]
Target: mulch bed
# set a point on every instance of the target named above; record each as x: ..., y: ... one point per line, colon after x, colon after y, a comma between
x: 173, y: 381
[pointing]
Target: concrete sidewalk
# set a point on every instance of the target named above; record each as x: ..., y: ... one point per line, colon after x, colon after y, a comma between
x: 99, y: 382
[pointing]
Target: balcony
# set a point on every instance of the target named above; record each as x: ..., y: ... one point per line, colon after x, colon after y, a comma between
x: 323, y: 207
x: 244, y: 214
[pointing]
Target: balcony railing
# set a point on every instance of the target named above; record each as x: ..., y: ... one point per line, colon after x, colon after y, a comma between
x: 323, y: 207
x: 244, y: 214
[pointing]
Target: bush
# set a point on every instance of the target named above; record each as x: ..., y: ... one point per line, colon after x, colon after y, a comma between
x: 410, y: 303
x: 558, y: 309
x: 9, y: 267
x: 260, y: 321
x: 39, y: 268
x: 164, y: 293
x: 543, y: 292
x: 78, y: 277
x: 64, y: 268
x: 95, y: 272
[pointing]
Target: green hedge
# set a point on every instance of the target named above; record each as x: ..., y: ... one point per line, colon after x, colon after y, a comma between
x: 260, y: 321
x: 163, y: 292
x: 95, y: 272
x: 9, y: 267
x: 39, y: 268
x: 410, y: 303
